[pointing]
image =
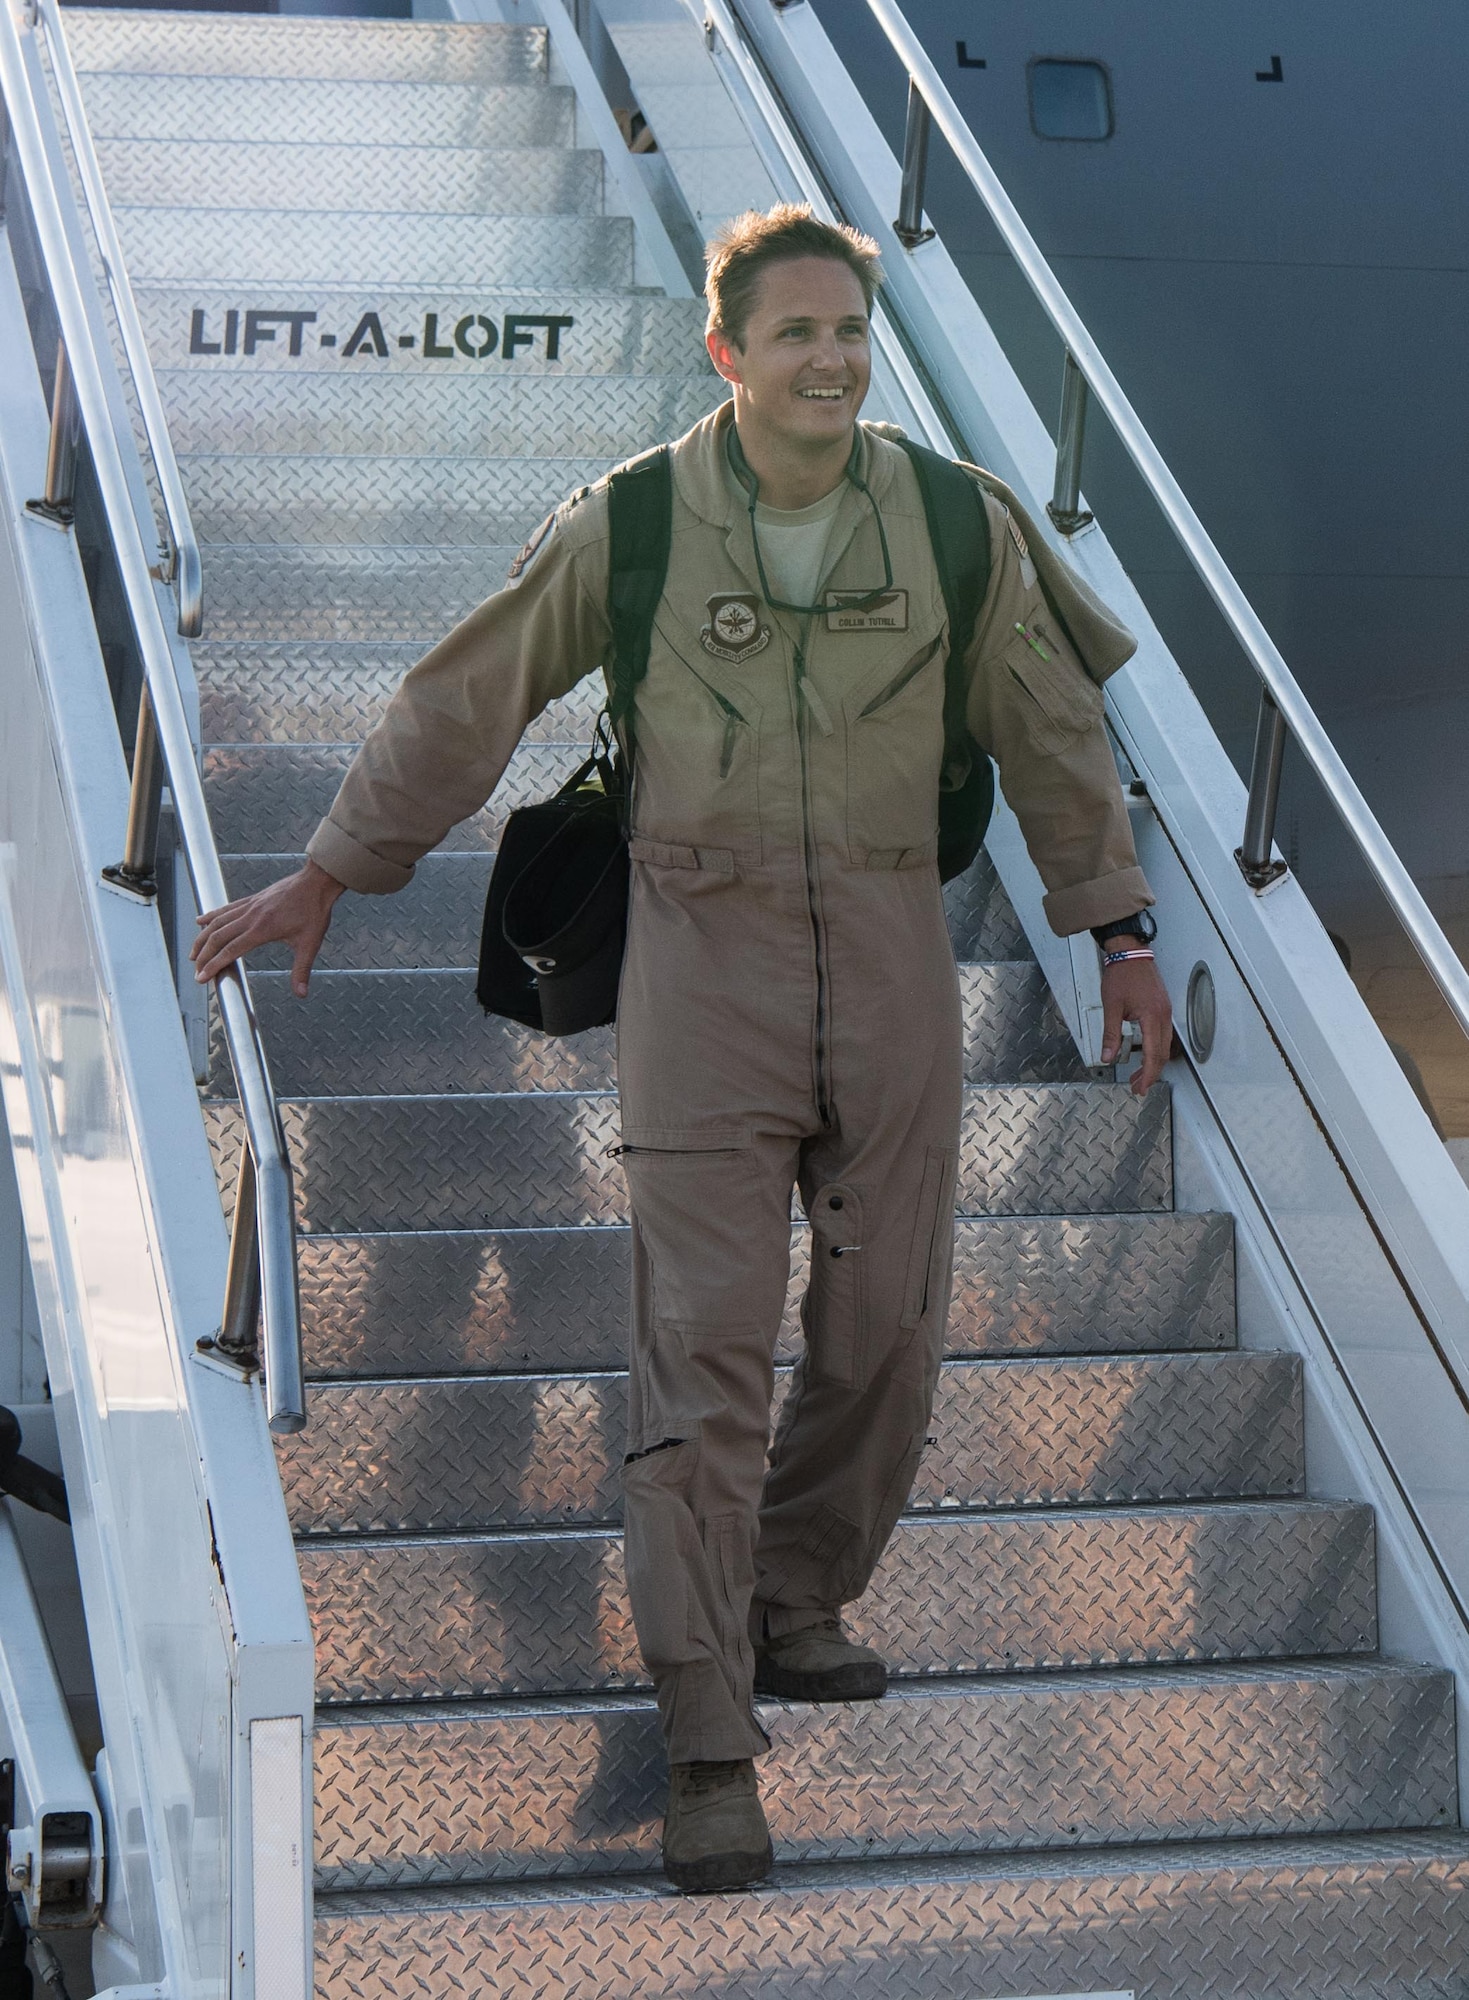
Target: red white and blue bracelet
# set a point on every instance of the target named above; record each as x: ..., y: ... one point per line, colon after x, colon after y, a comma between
x: 1121, y: 957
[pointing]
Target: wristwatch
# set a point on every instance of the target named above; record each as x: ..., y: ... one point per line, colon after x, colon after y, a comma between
x: 1142, y: 927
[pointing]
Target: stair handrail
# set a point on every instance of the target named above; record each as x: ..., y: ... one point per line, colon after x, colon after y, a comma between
x: 182, y: 558
x: 1283, y: 702
x: 262, y: 1271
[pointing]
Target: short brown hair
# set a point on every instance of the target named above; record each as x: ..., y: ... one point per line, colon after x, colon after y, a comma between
x: 748, y: 244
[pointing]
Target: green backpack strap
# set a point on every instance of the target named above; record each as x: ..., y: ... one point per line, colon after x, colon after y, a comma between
x: 640, y: 517
x: 959, y: 532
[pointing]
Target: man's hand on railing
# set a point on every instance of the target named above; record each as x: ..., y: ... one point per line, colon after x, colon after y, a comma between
x: 295, y: 911
x: 1134, y: 992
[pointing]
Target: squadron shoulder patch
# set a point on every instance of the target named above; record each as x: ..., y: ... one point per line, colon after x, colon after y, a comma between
x: 1027, y: 567
x: 735, y: 630
x: 518, y: 567
x: 861, y: 611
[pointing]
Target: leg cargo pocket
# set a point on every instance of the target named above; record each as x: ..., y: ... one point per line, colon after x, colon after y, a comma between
x: 928, y: 1255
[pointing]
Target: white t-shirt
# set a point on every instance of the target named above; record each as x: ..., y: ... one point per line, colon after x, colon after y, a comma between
x: 793, y: 545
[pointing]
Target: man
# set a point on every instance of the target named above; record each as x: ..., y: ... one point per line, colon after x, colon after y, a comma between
x: 789, y: 1011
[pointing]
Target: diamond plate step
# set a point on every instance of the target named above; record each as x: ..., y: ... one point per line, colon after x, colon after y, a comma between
x: 217, y: 45
x: 405, y: 1033
x: 275, y: 174
x: 541, y: 1613
x: 276, y: 793
x: 323, y: 691
x: 435, y: 921
x: 262, y: 497
x: 408, y: 1032
x: 286, y: 110
x: 485, y: 1452
x: 199, y: 246
x: 290, y: 591
x: 525, y: 1160
x: 447, y: 1794
x: 1358, y: 1917
x: 636, y: 334
x: 492, y: 414
x: 448, y: 1301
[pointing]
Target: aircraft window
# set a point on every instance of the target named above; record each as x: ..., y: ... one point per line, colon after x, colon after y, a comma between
x: 1070, y: 100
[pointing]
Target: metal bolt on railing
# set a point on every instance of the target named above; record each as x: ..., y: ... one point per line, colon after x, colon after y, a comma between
x: 1064, y: 506
x: 908, y: 228
x: 1253, y: 853
x: 58, y: 503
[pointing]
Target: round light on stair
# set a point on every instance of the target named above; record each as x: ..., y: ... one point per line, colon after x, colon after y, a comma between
x: 1199, y: 1013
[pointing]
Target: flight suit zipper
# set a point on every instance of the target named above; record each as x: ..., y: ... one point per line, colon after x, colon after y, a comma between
x: 813, y: 891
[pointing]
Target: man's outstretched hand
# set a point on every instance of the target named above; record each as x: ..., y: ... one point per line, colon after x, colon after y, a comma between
x: 296, y: 910
x: 1133, y: 991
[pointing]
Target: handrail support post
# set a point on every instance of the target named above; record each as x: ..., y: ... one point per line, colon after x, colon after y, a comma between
x: 1064, y: 506
x: 238, y: 1339
x: 1253, y: 853
x: 58, y: 503
x: 908, y: 228
x: 137, y: 872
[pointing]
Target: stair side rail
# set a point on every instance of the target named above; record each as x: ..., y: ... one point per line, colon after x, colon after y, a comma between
x: 181, y: 564
x: 195, y: 1612
x: 262, y: 1278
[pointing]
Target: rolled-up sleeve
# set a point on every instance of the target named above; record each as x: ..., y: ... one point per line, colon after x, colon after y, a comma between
x: 450, y: 730
x: 1036, y: 710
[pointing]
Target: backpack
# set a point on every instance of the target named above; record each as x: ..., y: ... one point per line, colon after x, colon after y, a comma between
x: 641, y: 523
x: 556, y: 911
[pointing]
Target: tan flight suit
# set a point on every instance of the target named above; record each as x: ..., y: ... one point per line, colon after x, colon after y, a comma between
x: 789, y: 1011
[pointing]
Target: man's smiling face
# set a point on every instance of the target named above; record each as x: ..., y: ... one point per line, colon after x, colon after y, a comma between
x: 802, y: 370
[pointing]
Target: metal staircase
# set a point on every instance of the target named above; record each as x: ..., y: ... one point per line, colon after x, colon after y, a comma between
x: 1142, y: 1737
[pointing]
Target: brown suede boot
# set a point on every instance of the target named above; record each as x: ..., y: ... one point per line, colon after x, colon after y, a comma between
x: 819, y: 1663
x: 714, y: 1832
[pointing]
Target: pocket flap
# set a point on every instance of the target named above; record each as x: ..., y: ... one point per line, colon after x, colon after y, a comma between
x: 667, y: 854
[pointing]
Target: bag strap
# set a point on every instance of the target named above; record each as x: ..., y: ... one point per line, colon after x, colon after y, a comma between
x: 640, y: 518
x: 959, y: 532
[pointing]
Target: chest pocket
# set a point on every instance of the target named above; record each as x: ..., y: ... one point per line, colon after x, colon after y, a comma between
x: 698, y: 742
x: 895, y: 747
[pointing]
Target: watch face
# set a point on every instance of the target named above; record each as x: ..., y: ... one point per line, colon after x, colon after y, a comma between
x: 1142, y: 927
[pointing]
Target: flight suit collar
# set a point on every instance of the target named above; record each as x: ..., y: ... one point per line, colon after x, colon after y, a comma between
x: 704, y: 482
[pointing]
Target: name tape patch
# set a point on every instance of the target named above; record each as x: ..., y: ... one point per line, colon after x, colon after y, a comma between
x: 847, y: 611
